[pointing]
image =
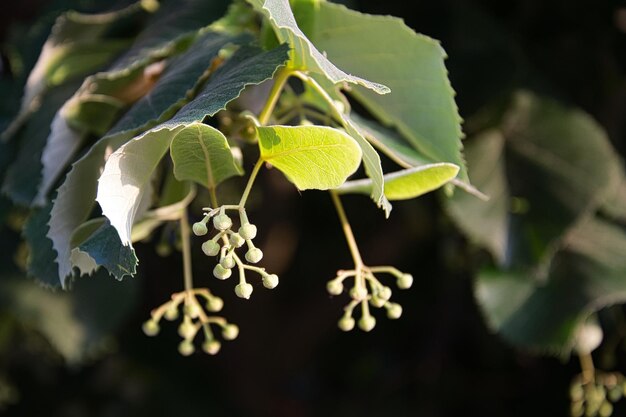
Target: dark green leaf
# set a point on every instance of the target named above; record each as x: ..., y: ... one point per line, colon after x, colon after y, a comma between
x: 106, y: 248
x: 421, y: 104
x: 586, y: 277
x: 41, y: 257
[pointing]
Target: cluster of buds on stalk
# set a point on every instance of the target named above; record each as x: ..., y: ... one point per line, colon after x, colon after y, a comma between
x: 225, y: 243
x: 368, y: 291
x: 194, y: 318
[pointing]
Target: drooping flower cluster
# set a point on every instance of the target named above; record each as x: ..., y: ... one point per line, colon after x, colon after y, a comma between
x: 226, y: 241
x: 368, y: 291
x: 194, y: 318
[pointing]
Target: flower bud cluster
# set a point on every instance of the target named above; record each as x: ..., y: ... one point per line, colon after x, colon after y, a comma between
x: 595, y: 397
x: 225, y: 243
x: 194, y: 318
x: 367, y: 292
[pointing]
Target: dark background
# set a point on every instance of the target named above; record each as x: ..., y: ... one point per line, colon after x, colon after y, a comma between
x: 290, y: 359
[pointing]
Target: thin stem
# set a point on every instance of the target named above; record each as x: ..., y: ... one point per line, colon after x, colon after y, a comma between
x: 184, y: 235
x: 586, y: 364
x: 281, y: 78
x: 246, y: 192
x: 213, y: 196
x: 347, y: 231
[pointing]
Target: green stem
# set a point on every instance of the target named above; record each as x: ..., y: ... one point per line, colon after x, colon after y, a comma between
x: 246, y: 192
x: 184, y: 235
x: 347, y: 231
x: 281, y: 78
x: 213, y: 196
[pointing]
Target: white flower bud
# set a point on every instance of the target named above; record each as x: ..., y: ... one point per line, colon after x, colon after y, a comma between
x: 243, y: 290
x: 367, y: 323
x: 346, y: 323
x: 230, y: 332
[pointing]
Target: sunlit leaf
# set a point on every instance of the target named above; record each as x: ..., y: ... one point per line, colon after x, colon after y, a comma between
x: 407, y: 183
x: 304, y: 55
x: 312, y: 157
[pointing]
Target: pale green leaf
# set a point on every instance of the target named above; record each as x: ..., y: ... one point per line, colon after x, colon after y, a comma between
x: 408, y: 183
x: 126, y: 177
x: 312, y: 157
x: 201, y: 153
x: 304, y: 56
x: 421, y: 104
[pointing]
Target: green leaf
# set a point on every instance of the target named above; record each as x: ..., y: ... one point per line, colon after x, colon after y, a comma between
x: 24, y: 176
x: 61, y: 146
x: 126, y: 177
x: 485, y: 222
x: 122, y: 183
x: 304, y: 56
x: 180, y: 80
x: 421, y: 104
x: 586, y: 277
x: 559, y: 166
x: 76, y: 196
x: 312, y: 157
x: 408, y: 183
x: 106, y: 249
x: 40, y: 264
x: 371, y: 159
x: 201, y: 153
x: 78, y: 44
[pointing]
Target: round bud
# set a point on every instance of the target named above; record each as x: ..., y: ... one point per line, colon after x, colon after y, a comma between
x: 243, y: 290
x: 214, y: 304
x: 385, y: 293
x: 358, y: 293
x: 227, y: 262
x: 193, y: 310
x: 270, y: 281
x: 394, y: 311
x: 199, y: 229
x: 186, y: 330
x: 346, y: 323
x: 248, y: 231
x: 615, y: 394
x: 220, y: 272
x: 405, y: 281
x: 186, y: 348
x: 376, y: 301
x: 171, y: 313
x: 150, y: 328
x: 254, y: 255
x: 606, y: 409
x: 236, y: 240
x: 211, y: 346
x: 367, y: 323
x: 210, y: 248
x: 334, y: 287
x: 230, y: 332
x: 222, y: 222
